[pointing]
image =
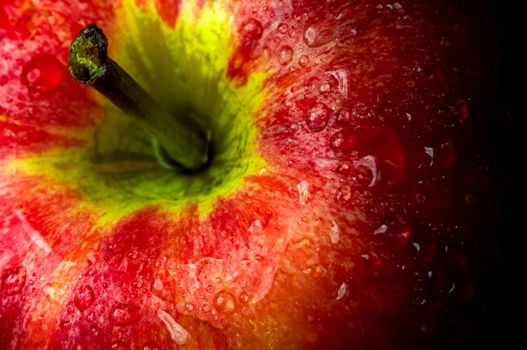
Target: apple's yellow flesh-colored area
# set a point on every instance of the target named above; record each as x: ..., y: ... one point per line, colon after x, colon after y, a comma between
x: 184, y: 68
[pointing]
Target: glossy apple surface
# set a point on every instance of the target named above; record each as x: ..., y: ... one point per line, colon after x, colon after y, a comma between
x: 348, y: 204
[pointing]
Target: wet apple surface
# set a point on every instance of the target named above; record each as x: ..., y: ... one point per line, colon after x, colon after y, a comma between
x: 347, y: 204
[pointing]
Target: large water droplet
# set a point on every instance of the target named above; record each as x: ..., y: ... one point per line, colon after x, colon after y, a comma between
x: 125, y: 314
x: 43, y: 73
x: 251, y: 29
x: 369, y: 162
x: 318, y: 117
x: 224, y: 302
x: 84, y: 297
x: 13, y: 280
x: 318, y: 32
x: 178, y: 334
x: 285, y: 55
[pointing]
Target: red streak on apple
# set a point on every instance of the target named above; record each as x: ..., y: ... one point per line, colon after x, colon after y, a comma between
x: 360, y: 232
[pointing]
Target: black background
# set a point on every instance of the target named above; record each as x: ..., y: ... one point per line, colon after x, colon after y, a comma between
x: 501, y: 326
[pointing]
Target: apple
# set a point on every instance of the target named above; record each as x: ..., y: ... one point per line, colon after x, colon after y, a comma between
x: 340, y: 191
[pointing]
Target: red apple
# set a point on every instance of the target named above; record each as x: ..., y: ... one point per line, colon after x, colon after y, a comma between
x: 346, y: 204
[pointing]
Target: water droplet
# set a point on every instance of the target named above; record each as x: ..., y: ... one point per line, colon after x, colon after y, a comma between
x: 318, y: 33
x: 90, y: 317
x: 285, y: 55
x: 138, y: 283
x: 417, y: 246
x: 43, y: 73
x: 125, y: 314
x: 369, y: 162
x: 343, y: 290
x: 118, y: 345
x: 336, y: 141
x: 204, y: 308
x: 134, y: 253
x: 304, y: 60
x: 189, y: 307
x: 344, y: 168
x: 343, y: 194
x: 318, y: 117
x: 325, y: 87
x: 251, y: 29
x: 84, y: 297
x: 224, y: 302
x: 65, y: 323
x: 303, y: 192
x: 123, y: 265
x: 342, y: 77
x: 381, y: 229
x: 157, y: 288
x: 282, y: 28
x: 151, y: 346
x: 13, y: 280
x: 430, y: 152
x: 256, y: 226
x: 178, y: 334
x: 343, y: 116
x: 244, y: 297
x: 420, y: 197
x: 334, y: 233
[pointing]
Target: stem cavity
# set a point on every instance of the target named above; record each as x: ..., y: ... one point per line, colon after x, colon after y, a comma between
x: 184, y: 143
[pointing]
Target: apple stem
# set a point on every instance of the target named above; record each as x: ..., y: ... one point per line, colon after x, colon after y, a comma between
x: 185, y: 144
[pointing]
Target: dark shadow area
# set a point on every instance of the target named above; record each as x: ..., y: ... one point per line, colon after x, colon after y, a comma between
x: 498, y: 311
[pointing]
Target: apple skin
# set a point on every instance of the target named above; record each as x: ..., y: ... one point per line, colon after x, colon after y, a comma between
x: 367, y: 228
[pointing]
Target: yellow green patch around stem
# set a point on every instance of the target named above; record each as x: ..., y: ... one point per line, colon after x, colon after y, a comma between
x: 184, y: 68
